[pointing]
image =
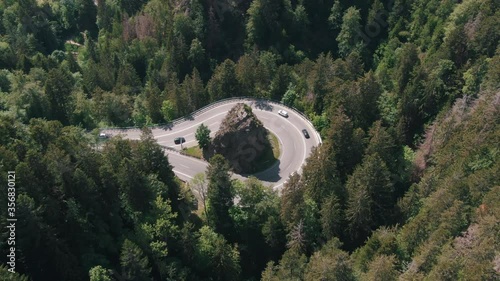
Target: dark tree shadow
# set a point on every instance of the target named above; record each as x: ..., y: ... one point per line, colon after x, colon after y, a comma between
x: 270, y: 175
x: 263, y: 105
x: 168, y: 127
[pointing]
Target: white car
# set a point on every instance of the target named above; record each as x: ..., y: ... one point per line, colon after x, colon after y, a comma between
x: 104, y: 136
x: 283, y: 113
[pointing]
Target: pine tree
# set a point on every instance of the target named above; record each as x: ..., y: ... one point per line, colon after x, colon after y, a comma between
x: 370, y: 197
x: 332, y: 217
x: 292, y: 197
x: 330, y: 263
x: 135, y: 265
x: 58, y: 88
x: 382, y: 268
x: 223, y: 83
x: 344, y: 144
x: 220, y: 196
x: 99, y: 273
x: 349, y: 39
x: 217, y: 258
x: 335, y: 18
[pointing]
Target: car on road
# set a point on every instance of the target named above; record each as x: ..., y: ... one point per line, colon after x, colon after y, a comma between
x: 283, y: 113
x: 306, y: 134
x: 179, y: 140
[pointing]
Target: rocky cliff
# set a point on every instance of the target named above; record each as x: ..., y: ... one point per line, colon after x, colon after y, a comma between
x: 241, y: 139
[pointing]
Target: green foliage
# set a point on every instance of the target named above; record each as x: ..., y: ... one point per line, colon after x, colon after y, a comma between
x: 291, y: 267
x: 135, y: 266
x: 348, y: 39
x: 167, y: 110
x: 382, y: 267
x: 219, y: 260
x: 290, y: 96
x: 11, y: 276
x: 370, y: 196
x: 98, y: 273
x: 223, y: 83
x: 335, y: 18
x: 382, y: 242
x: 331, y: 217
x: 256, y: 217
x: 330, y: 263
x: 58, y: 87
x: 203, y: 136
x: 292, y: 201
x: 220, y: 196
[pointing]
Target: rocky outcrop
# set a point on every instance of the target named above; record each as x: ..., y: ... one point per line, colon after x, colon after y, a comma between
x: 241, y: 139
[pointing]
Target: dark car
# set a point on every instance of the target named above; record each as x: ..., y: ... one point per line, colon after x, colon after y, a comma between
x: 179, y: 140
x: 306, y: 134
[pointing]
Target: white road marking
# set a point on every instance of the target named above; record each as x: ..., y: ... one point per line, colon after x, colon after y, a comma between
x: 195, y: 125
x: 177, y: 172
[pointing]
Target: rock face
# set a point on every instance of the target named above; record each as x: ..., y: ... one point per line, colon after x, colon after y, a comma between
x: 241, y: 139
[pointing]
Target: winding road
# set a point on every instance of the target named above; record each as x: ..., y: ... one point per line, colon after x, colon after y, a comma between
x: 295, y: 148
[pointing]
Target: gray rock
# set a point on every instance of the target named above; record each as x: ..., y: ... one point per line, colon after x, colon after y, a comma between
x: 241, y: 139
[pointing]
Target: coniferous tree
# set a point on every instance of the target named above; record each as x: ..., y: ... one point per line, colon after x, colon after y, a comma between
x: 98, y: 273
x: 58, y: 88
x: 345, y: 144
x: 349, y: 39
x: 217, y: 258
x: 330, y: 263
x: 135, y: 265
x: 223, y: 83
x: 220, y: 196
x: 370, y: 197
x: 332, y: 217
x: 292, y: 201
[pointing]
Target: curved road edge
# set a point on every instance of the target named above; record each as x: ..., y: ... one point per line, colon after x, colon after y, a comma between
x: 263, y: 107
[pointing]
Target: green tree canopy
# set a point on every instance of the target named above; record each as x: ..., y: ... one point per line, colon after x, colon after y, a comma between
x: 203, y: 136
x: 220, y: 196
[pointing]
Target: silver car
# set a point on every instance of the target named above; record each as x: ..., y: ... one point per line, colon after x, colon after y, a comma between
x: 283, y: 113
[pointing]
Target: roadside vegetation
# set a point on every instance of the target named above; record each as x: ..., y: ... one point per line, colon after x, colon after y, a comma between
x: 194, y: 151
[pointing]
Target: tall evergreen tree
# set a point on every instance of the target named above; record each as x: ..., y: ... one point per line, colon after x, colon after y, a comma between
x: 224, y: 83
x: 220, y: 196
x: 370, y: 197
x: 217, y: 259
x: 349, y: 38
x: 58, y: 88
x: 135, y: 265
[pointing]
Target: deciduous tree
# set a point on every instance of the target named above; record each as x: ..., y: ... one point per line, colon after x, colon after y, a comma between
x: 203, y: 136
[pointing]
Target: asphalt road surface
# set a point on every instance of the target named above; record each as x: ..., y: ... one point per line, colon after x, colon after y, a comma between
x: 294, y: 147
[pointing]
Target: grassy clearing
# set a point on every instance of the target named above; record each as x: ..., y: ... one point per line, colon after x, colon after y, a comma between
x: 194, y: 151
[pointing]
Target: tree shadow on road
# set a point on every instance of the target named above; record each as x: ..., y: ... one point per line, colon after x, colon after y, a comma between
x: 263, y: 105
x: 270, y: 175
x: 168, y: 127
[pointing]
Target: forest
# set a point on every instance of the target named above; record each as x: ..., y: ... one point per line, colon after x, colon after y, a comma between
x: 405, y: 94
